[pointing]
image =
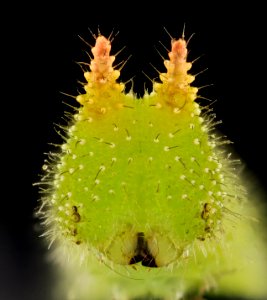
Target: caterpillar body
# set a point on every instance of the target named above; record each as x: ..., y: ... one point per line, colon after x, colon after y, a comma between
x: 143, y: 200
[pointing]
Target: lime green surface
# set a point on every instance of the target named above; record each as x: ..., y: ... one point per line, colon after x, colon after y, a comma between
x: 154, y: 168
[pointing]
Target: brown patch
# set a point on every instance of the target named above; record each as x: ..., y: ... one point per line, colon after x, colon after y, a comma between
x: 205, y: 211
x: 74, y: 231
x: 75, y: 216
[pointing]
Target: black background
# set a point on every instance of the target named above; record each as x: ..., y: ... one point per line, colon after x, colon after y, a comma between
x: 41, y: 44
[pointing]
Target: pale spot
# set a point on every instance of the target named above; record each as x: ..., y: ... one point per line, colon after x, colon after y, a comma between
x: 97, y: 181
x: 166, y: 148
x: 171, y: 135
x: 197, y: 111
x: 184, y: 196
x: 182, y: 177
x: 193, y: 182
x: 95, y: 197
x: 150, y: 124
x: 176, y: 110
x: 60, y: 165
x: 90, y: 120
x: 71, y: 170
x: 128, y: 138
x: 79, y: 179
x: 81, y: 167
x: 212, y: 144
x: 219, y: 165
x: 69, y: 194
x: 86, y: 188
x: 210, y: 193
x: 103, y: 110
x: 62, y: 178
x: 130, y: 159
x: 150, y: 158
x: 45, y: 167
x: 55, y: 182
x: 102, y: 168
x: 204, y: 128
x: 72, y: 128
x: 111, y: 192
x: 193, y: 159
x: 214, y: 182
x: 201, y: 187
x: 91, y: 153
x: 60, y: 208
x: 206, y: 170
x: 200, y: 120
x: 113, y: 159
x: 219, y: 203
x: 65, y: 147
x: 213, y: 210
x: 74, y: 156
x: 177, y: 158
x: 191, y: 171
x: 191, y: 126
x: 169, y: 197
x: 196, y: 141
x: 156, y: 140
x: 219, y: 193
x: 82, y: 141
x: 79, y: 98
x: 90, y: 101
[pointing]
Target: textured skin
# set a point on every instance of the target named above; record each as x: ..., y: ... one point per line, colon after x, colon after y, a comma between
x: 146, y: 181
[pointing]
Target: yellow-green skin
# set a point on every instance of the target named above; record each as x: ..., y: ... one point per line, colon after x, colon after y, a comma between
x: 153, y: 167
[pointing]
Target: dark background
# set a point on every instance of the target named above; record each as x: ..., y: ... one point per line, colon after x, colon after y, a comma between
x: 41, y: 46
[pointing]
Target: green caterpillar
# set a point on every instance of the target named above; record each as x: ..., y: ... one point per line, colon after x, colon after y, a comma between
x: 143, y: 200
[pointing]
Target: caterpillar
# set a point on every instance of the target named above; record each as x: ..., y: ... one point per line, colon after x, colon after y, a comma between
x: 142, y: 200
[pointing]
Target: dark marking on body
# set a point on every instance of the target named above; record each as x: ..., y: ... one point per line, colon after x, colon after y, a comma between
x: 75, y: 215
x: 142, y: 253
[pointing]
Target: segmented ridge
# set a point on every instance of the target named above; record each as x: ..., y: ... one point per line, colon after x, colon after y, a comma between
x: 103, y: 77
x: 175, y: 87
